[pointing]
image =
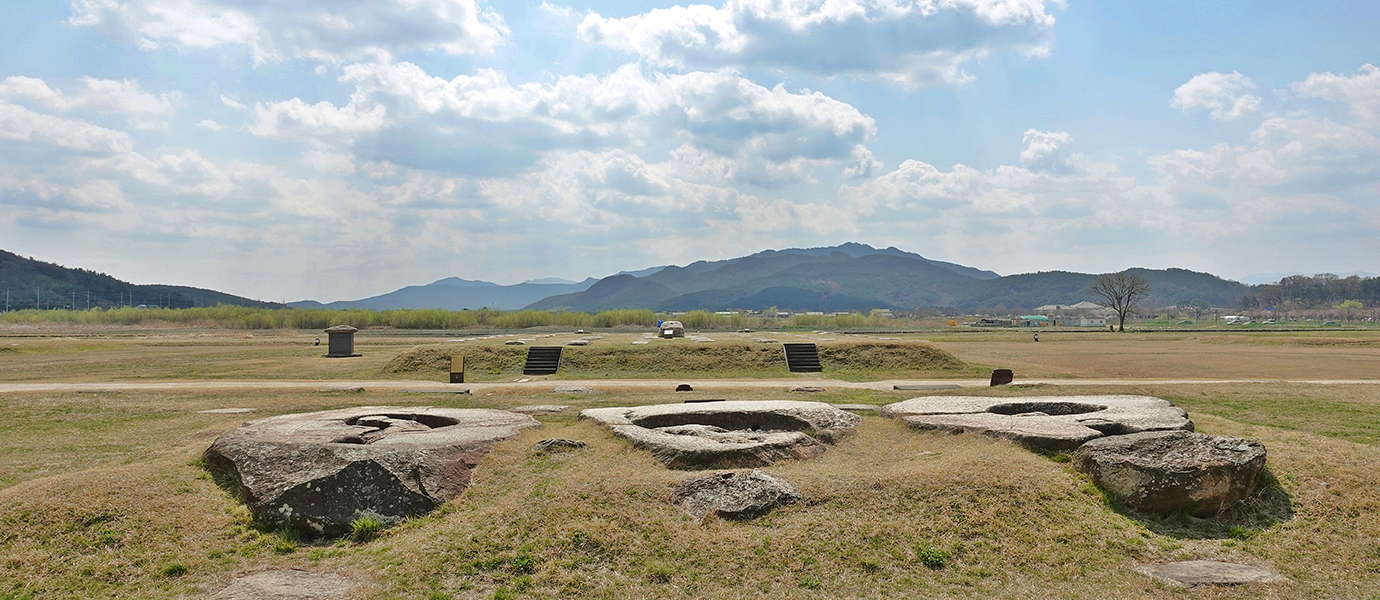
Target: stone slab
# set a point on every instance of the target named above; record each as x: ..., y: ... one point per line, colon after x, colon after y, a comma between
x: 541, y: 409
x: 289, y: 584
x: 730, y: 434
x: 1195, y: 573
x: 1059, y: 423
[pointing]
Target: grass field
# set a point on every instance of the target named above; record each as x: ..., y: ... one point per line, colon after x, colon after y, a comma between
x: 101, y: 495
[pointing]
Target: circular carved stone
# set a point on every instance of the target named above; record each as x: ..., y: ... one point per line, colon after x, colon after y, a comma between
x: 1058, y: 423
x: 317, y: 472
x: 726, y: 435
x: 1168, y: 471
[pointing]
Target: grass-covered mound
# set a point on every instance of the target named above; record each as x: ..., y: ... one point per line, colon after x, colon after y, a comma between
x: 125, y: 511
x: 726, y: 359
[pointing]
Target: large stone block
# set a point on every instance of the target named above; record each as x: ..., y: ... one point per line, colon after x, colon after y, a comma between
x: 733, y: 495
x: 318, y: 472
x: 1168, y: 471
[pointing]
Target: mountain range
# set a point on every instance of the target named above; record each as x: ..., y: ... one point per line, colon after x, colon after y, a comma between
x: 858, y: 277
x: 30, y: 283
x: 850, y: 276
x: 454, y: 293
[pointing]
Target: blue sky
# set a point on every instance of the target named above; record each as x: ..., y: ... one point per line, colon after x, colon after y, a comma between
x: 344, y: 149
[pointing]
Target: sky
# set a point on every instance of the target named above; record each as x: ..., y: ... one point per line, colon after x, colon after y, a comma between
x: 337, y: 150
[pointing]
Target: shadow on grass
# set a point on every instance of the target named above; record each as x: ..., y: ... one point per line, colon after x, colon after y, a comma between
x: 1269, y: 505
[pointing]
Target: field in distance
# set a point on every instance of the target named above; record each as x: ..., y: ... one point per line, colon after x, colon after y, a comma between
x: 125, y: 355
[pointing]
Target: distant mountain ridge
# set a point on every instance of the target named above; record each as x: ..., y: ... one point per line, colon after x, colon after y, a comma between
x: 850, y: 276
x: 454, y: 293
x: 856, y: 276
x: 30, y: 283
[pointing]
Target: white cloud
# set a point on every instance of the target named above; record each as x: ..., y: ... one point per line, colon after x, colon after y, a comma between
x: 273, y: 31
x: 908, y: 42
x: 329, y: 162
x: 483, y: 124
x: 210, y: 125
x: 1224, y: 94
x: 232, y: 103
x: 19, y: 124
x: 323, y: 121
x: 1049, y: 151
x: 102, y: 95
x: 1360, y: 92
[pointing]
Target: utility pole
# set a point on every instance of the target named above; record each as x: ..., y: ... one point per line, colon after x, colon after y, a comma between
x: 38, y: 299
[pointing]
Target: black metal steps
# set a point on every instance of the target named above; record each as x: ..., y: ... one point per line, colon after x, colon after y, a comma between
x: 542, y: 360
x: 802, y: 358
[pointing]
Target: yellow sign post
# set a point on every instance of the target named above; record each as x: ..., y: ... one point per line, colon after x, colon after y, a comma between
x: 457, y: 368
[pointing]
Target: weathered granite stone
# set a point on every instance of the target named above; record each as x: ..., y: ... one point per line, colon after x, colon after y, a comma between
x: 342, y: 389
x: 1194, y: 573
x: 857, y: 407
x: 812, y: 389
x: 1168, y: 471
x: 721, y: 435
x: 555, y: 445
x: 684, y: 387
x: 541, y: 409
x: 733, y: 495
x: 578, y: 343
x: 317, y: 472
x: 1044, y: 422
x: 288, y: 584
x: 514, y: 343
x: 574, y: 389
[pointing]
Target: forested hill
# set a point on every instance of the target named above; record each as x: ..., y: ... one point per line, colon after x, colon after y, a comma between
x: 1168, y: 287
x: 858, y: 277
x: 32, y: 283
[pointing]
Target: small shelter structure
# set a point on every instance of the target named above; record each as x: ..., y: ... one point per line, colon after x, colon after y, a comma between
x: 670, y: 329
x: 342, y: 341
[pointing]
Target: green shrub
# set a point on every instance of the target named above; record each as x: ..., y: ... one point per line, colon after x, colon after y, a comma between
x: 363, y: 529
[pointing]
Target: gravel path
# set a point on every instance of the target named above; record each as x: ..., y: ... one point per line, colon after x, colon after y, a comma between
x: 698, y: 384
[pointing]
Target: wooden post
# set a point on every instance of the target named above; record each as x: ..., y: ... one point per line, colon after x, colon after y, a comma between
x: 457, y: 368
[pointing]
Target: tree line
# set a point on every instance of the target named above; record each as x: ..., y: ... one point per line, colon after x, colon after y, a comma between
x: 1302, y: 292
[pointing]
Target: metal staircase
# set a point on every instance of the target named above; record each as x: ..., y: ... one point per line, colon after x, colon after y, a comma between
x: 542, y: 360
x: 802, y: 358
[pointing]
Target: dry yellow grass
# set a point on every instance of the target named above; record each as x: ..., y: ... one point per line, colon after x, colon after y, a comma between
x: 110, y: 517
x: 101, y: 497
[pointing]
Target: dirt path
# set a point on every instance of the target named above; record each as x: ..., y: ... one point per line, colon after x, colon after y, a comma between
x: 698, y: 384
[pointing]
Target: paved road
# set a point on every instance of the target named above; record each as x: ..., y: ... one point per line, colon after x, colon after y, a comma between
x: 698, y: 384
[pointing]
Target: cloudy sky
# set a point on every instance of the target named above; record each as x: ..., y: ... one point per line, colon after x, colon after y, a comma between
x: 335, y: 150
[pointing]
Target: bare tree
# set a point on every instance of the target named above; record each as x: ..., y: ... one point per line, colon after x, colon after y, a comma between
x: 1120, y: 292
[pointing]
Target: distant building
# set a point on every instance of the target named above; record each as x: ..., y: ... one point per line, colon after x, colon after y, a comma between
x: 1033, y: 321
x: 1080, y: 309
x: 1098, y: 322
